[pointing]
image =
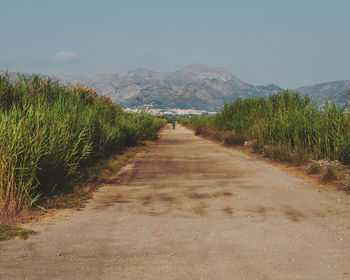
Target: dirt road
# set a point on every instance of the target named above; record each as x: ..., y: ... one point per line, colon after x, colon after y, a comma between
x: 191, y: 209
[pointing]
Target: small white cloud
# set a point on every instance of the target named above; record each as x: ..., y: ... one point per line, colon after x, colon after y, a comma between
x: 64, y: 57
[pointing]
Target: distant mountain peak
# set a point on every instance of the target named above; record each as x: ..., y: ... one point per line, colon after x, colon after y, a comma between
x: 141, y: 70
x: 201, y: 68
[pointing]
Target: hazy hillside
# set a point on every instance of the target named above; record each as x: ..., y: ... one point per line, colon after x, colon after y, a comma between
x: 334, y: 91
x: 192, y: 87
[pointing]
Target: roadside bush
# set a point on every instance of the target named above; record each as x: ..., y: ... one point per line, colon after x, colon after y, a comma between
x: 314, y: 168
x: 235, y: 139
x: 331, y: 174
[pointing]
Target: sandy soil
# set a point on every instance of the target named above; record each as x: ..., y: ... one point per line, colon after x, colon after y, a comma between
x: 190, y: 209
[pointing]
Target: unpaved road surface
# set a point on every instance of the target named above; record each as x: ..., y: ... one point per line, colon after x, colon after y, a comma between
x: 190, y: 209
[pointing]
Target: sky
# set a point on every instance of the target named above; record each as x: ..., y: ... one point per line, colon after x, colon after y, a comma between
x: 290, y: 43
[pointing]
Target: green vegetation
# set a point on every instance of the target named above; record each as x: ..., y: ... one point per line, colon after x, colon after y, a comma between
x: 9, y: 232
x: 99, y: 173
x: 51, y: 134
x: 285, y: 127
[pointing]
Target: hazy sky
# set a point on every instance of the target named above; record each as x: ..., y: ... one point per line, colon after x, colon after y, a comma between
x: 291, y: 43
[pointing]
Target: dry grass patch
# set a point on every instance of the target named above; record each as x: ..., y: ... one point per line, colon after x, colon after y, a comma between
x: 314, y: 168
x: 235, y: 139
x: 209, y: 132
x: 284, y: 154
x: 11, y: 232
x: 332, y: 174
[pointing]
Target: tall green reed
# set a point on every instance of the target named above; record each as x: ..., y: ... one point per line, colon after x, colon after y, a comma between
x: 290, y: 122
x: 50, y: 134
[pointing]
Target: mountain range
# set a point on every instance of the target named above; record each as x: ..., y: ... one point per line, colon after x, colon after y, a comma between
x: 193, y: 87
x: 196, y: 86
x: 333, y: 91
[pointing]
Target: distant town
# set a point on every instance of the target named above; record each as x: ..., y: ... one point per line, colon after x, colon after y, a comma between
x: 172, y: 112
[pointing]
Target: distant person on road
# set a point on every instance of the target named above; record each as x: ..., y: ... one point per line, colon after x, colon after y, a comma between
x: 174, y: 124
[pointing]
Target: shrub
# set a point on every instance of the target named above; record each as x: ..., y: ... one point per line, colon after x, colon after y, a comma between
x: 314, y: 168
x: 235, y: 139
x: 331, y: 174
